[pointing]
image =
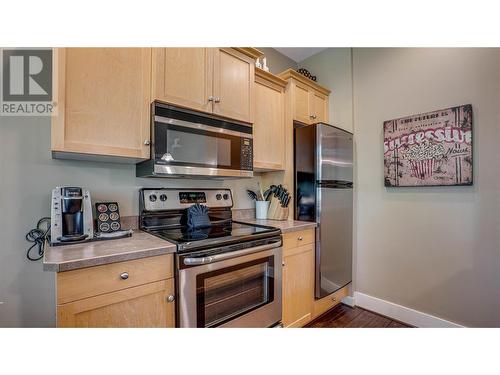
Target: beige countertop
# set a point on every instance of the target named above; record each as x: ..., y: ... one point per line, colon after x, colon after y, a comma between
x: 70, y: 257
x: 284, y: 225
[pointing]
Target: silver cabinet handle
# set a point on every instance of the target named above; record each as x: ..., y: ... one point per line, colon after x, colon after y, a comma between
x: 171, y: 298
x: 334, y: 299
x: 124, y: 276
x: 147, y: 142
x: 210, y: 98
x: 217, y: 100
x: 300, y: 238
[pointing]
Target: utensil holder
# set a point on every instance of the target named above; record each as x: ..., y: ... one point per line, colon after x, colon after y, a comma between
x: 276, y: 212
x: 261, y: 208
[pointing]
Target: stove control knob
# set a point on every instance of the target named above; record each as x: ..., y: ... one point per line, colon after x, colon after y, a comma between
x: 219, y: 197
x: 226, y: 197
x: 152, y: 198
x: 163, y: 197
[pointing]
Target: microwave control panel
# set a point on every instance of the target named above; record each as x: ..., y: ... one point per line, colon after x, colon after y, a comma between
x: 246, y: 154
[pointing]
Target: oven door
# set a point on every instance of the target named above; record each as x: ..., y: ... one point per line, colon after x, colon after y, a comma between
x: 187, y: 143
x: 236, y: 289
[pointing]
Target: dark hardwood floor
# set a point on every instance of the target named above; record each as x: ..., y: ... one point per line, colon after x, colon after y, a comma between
x: 343, y: 316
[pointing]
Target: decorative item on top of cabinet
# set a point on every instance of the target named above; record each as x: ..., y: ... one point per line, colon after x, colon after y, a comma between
x: 309, y: 102
x: 103, y: 108
x: 269, y: 124
x: 306, y: 74
x: 212, y: 80
x: 264, y: 64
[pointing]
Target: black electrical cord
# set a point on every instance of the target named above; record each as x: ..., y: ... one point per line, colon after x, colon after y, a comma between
x: 38, y: 236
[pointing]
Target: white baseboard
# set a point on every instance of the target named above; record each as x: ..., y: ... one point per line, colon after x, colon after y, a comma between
x: 401, y: 313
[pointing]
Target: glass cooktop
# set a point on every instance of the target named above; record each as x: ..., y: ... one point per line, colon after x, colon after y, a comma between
x: 215, y: 235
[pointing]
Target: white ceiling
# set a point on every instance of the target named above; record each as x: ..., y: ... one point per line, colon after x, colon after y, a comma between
x: 299, y: 54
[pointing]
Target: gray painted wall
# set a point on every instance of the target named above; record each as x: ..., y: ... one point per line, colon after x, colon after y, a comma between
x: 276, y: 61
x: 28, y: 175
x: 435, y: 250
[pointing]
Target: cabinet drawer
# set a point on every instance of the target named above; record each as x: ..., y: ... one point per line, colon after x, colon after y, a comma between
x: 299, y: 238
x: 87, y: 282
x: 326, y: 303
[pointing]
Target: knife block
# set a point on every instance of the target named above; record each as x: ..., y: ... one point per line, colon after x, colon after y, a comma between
x: 275, y: 211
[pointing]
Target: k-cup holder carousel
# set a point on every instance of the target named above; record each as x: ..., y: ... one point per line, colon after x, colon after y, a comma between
x: 108, y: 222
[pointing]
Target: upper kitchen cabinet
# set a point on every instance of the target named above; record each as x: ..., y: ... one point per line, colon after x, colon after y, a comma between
x: 104, y: 96
x: 301, y: 104
x: 233, y: 84
x: 309, y: 100
x: 269, y: 124
x: 184, y: 76
x: 212, y: 80
x: 319, y: 106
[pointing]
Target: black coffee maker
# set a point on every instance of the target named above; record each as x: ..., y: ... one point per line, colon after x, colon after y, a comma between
x: 71, y: 215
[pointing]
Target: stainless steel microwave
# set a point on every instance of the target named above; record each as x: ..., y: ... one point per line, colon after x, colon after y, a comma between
x: 186, y: 143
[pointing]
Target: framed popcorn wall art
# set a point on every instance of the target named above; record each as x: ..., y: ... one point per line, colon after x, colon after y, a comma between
x: 430, y: 149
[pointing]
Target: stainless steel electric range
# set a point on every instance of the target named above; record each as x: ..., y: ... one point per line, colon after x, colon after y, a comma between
x: 228, y: 274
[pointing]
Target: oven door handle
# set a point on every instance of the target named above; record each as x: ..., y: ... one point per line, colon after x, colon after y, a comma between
x: 219, y: 257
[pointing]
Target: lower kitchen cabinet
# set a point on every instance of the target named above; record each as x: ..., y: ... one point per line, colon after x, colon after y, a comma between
x: 298, y: 278
x: 137, y: 293
x: 141, y: 306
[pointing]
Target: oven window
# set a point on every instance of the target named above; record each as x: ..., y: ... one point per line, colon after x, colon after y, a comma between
x: 225, y: 294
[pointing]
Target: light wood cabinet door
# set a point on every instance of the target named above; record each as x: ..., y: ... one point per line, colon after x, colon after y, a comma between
x: 302, y: 103
x: 319, y: 105
x: 298, y: 286
x: 269, y: 126
x: 104, y: 98
x: 140, y: 307
x: 233, y: 84
x: 183, y: 76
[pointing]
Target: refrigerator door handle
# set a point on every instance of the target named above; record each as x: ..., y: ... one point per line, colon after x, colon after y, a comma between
x: 335, y: 184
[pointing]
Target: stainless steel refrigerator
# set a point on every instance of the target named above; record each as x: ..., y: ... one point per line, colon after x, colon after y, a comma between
x: 323, y: 193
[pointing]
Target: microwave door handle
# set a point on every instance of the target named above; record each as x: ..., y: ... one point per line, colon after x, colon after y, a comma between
x: 230, y: 255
